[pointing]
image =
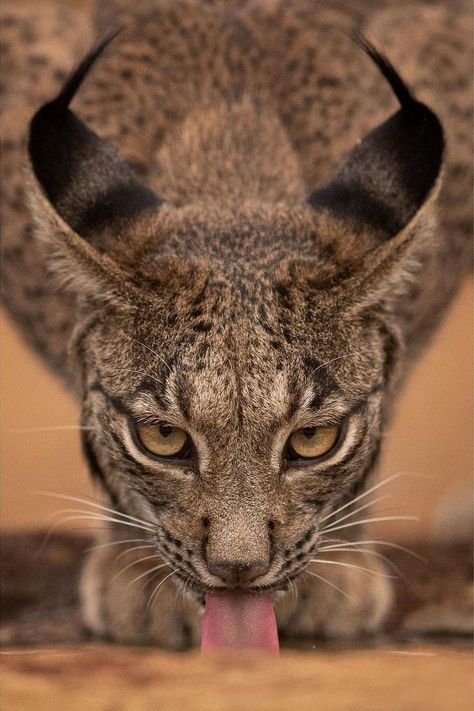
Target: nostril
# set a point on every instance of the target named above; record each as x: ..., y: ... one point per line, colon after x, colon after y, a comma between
x: 237, y: 573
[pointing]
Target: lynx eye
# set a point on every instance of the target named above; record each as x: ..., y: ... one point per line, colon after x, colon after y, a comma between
x: 312, y: 442
x: 163, y: 440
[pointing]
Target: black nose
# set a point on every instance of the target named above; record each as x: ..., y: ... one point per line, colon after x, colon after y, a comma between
x: 236, y: 573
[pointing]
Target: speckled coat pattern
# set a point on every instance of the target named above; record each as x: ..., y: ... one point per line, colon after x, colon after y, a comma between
x: 242, y: 305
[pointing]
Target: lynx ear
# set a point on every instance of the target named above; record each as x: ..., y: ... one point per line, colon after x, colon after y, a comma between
x: 88, y: 184
x: 388, y: 176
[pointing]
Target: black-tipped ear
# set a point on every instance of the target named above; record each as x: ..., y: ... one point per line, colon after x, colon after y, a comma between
x: 387, y: 177
x: 84, y: 178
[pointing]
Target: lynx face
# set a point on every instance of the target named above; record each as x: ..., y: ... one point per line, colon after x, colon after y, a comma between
x: 237, y: 362
x: 229, y: 371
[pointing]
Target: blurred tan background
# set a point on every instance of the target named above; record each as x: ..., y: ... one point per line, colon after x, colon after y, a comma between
x: 430, y: 439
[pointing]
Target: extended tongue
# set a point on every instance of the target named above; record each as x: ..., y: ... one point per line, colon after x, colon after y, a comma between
x: 235, y: 621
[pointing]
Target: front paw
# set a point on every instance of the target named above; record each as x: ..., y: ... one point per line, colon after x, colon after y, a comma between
x: 119, y: 607
x: 350, y: 602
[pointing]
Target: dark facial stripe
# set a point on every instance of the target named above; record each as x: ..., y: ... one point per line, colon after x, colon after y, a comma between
x: 120, y: 405
x: 324, y: 385
x: 78, y: 345
x: 149, y: 387
x: 359, y: 485
x: 363, y: 402
x: 116, y: 402
x: 140, y: 468
x: 95, y: 468
x: 391, y: 347
x: 357, y: 406
x: 183, y: 396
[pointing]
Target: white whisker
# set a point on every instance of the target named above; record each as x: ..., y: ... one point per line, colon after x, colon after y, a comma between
x: 183, y: 590
x: 148, y: 348
x: 389, y: 544
x: 343, y: 541
x: 132, y: 550
x: 336, y: 587
x: 90, y: 517
x: 46, y: 650
x: 154, y: 594
x: 101, y: 516
x: 94, y: 504
x: 366, y: 551
x: 98, y: 517
x: 350, y: 565
x: 130, y: 565
x: 115, y: 543
x: 393, y: 477
x: 52, y: 428
x: 294, y: 590
x: 331, y: 360
x: 370, y: 520
x: 147, y: 572
x: 360, y: 508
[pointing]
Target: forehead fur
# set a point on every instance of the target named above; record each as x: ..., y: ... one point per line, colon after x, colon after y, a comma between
x: 255, y: 241
x: 236, y: 304
x: 239, y: 331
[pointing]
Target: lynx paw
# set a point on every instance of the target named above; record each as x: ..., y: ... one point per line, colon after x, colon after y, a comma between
x: 349, y: 603
x: 118, y: 607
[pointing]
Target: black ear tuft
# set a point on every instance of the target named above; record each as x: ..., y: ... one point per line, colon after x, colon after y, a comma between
x: 387, y: 69
x: 84, y: 178
x: 77, y: 76
x: 388, y: 176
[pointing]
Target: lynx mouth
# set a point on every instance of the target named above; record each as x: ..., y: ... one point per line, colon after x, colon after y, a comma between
x: 199, y: 589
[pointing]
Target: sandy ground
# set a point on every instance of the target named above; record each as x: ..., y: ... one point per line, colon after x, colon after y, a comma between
x: 425, y: 677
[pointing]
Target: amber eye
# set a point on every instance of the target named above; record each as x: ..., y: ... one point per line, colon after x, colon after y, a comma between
x: 163, y: 440
x: 312, y: 442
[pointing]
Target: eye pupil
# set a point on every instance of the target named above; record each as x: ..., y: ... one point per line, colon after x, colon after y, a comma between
x: 166, y: 430
x: 309, y: 432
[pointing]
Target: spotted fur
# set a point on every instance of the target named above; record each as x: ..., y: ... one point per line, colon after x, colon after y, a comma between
x: 230, y: 257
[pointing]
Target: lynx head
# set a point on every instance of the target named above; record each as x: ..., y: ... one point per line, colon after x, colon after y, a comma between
x: 236, y: 362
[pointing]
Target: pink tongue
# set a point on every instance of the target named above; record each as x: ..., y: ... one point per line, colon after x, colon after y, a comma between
x: 235, y: 621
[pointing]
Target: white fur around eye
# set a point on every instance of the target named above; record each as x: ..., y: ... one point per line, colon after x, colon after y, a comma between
x: 140, y: 456
x: 151, y: 463
x: 134, y: 451
x: 350, y: 438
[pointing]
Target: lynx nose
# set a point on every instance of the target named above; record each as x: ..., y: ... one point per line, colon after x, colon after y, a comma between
x: 237, y: 573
